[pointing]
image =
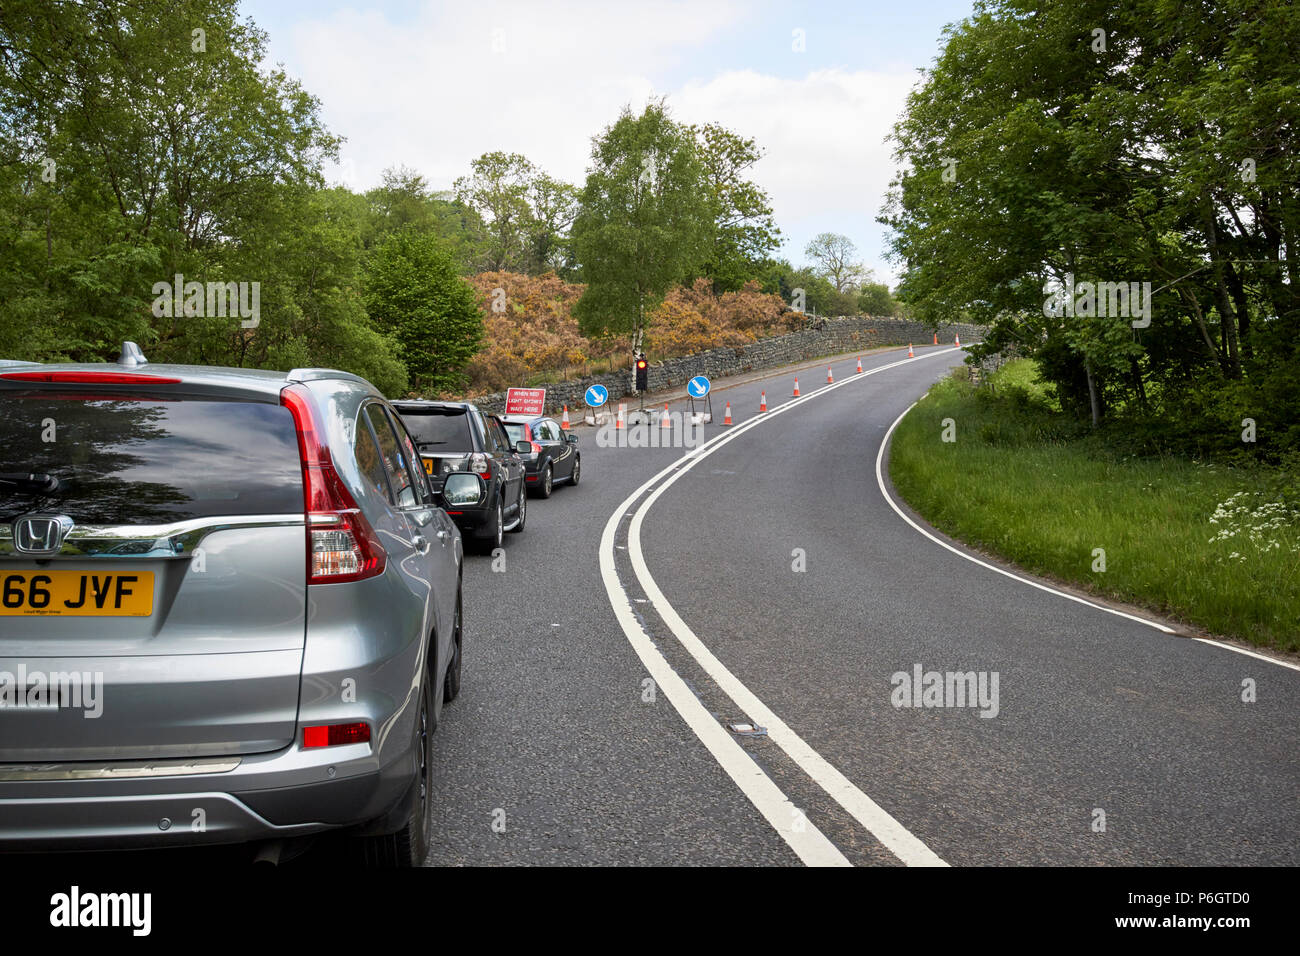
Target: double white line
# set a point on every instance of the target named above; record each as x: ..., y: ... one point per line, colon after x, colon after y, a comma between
x: 809, y: 843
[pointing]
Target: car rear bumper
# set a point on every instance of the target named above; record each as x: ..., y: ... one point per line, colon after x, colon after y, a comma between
x: 472, y: 519
x: 290, y: 793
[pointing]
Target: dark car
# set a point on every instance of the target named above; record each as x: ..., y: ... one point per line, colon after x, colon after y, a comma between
x: 552, y: 452
x: 457, y: 437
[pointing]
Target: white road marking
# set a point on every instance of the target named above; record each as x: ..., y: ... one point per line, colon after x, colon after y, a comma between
x: 1242, y: 650
x: 892, y: 834
x: 880, y: 480
x: 809, y: 843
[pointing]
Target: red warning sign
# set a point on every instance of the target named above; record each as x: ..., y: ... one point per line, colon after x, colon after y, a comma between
x: 525, y: 401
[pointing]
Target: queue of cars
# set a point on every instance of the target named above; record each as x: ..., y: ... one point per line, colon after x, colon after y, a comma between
x: 230, y: 601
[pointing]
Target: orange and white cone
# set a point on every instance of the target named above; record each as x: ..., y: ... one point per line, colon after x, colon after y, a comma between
x: 910, y: 353
x: 726, y: 419
x: 668, y: 422
x: 622, y: 413
x: 564, y: 422
x: 830, y: 379
x: 859, y: 366
x: 936, y: 338
x: 796, y: 388
x: 956, y: 340
x: 762, y: 402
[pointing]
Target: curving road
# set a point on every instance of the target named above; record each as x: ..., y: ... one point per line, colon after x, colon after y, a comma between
x: 766, y: 579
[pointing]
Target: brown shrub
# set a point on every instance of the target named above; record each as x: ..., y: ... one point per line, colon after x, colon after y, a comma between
x: 535, y: 333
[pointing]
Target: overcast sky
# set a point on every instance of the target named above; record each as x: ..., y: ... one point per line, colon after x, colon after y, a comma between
x: 432, y: 85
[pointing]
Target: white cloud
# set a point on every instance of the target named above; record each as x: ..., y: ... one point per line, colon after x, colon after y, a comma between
x: 433, y: 93
x: 827, y: 165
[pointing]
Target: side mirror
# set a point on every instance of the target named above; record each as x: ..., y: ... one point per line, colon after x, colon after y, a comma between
x: 571, y: 439
x: 524, y: 447
x: 463, y: 488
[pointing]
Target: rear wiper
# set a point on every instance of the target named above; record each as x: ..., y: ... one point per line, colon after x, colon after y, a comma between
x: 29, y: 482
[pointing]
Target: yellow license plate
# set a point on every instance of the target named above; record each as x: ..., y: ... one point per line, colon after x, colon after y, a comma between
x: 428, y: 466
x: 76, y: 594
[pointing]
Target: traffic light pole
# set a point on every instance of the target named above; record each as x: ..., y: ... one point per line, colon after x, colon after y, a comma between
x: 641, y: 381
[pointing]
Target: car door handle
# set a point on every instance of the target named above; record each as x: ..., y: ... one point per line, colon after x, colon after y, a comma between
x: 421, y: 543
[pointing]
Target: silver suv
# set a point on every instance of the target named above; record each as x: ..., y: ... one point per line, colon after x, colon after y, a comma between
x: 230, y: 610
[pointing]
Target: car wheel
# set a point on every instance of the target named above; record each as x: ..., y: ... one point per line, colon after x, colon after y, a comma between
x: 522, y: 515
x: 409, y: 846
x: 577, y: 470
x: 452, y: 687
x: 547, y: 483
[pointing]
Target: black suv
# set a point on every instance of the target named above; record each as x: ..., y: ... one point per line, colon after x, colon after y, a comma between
x: 456, y: 436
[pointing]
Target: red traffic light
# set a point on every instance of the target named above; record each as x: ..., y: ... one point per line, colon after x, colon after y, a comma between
x: 640, y: 363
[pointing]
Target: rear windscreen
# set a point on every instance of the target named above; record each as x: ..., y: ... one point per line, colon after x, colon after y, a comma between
x: 516, y: 432
x: 439, y: 429
x: 133, y: 460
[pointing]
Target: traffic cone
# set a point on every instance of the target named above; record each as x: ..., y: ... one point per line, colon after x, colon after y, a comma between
x: 830, y: 379
x: 956, y: 340
x: 910, y: 353
x: 859, y: 366
x: 936, y: 338
x: 564, y: 422
x: 796, y: 388
x: 622, y: 411
x: 762, y: 402
x: 726, y: 419
x: 668, y: 422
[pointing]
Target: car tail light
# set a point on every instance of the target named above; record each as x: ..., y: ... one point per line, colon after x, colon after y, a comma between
x: 537, y: 449
x: 478, y: 463
x: 341, y: 544
x: 90, y: 378
x: 332, y: 735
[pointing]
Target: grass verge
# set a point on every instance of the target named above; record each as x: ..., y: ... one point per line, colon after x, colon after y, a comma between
x: 1216, y: 547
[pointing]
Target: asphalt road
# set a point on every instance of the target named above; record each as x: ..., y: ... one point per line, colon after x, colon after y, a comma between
x: 789, y: 590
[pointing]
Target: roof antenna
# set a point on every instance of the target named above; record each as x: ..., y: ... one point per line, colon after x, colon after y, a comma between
x: 131, y: 356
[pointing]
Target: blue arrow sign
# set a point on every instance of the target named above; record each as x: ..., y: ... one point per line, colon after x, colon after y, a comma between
x: 597, y: 396
x: 698, y: 387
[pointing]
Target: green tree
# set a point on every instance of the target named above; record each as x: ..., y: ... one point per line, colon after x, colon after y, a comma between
x: 1160, y: 147
x: 552, y: 206
x: 144, y: 141
x: 643, y: 220
x: 404, y: 201
x: 874, y: 299
x: 803, y: 289
x: 743, y: 231
x: 497, y: 189
x: 413, y: 293
x: 835, y: 258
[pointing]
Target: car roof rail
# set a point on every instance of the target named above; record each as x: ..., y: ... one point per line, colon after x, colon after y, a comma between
x: 131, y: 356
x: 320, y: 374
